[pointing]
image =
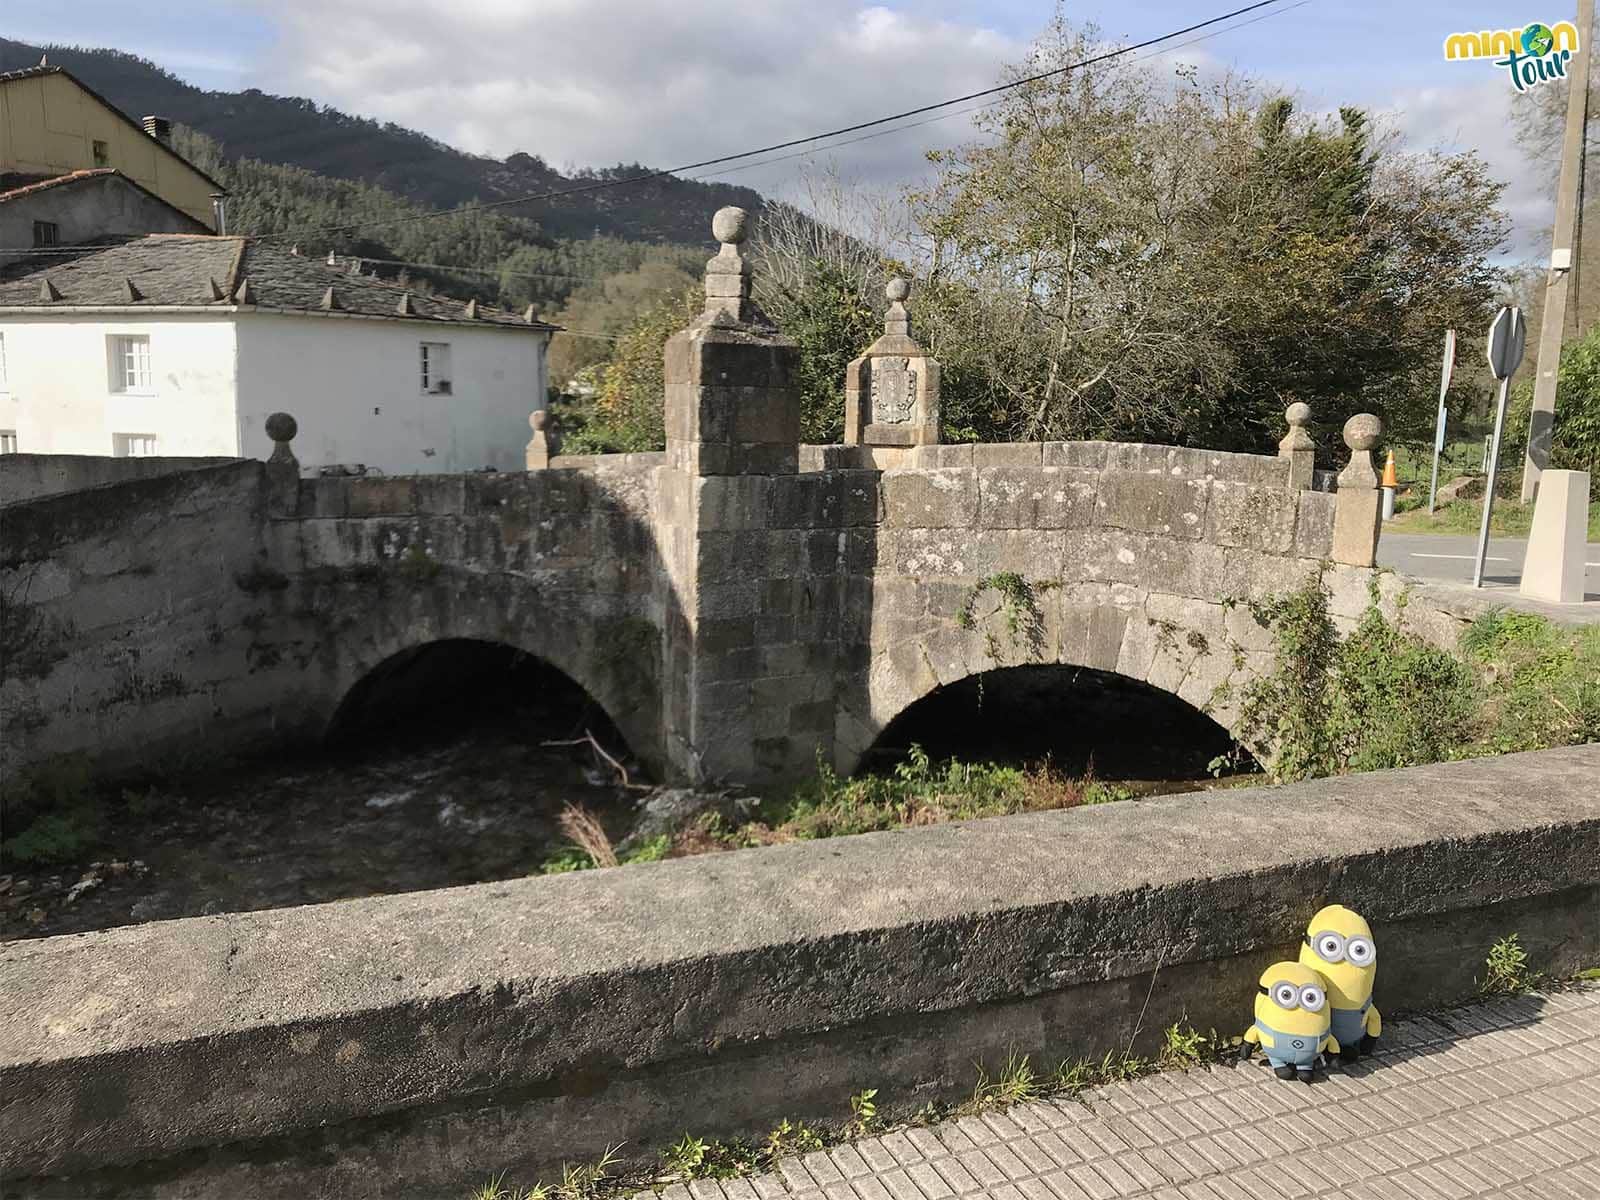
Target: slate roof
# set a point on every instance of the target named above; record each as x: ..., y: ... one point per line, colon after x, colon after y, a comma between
x: 195, y: 271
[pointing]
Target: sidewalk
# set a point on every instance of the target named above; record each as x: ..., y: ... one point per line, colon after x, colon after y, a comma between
x: 1497, y: 1099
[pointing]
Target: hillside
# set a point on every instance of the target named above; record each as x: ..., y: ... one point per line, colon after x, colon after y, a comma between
x: 325, y: 141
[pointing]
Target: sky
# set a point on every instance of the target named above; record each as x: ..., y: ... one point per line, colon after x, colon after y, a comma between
x: 597, y: 82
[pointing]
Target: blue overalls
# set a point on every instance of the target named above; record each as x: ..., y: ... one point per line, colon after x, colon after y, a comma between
x: 1297, y: 1050
x: 1350, y: 1024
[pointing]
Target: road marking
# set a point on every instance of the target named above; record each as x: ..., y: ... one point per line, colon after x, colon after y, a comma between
x: 1468, y: 557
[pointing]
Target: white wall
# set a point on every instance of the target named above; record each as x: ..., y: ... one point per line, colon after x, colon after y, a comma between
x: 57, y: 393
x: 354, y: 386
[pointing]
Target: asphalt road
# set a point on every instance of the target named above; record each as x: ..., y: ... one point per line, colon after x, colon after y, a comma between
x: 1450, y: 557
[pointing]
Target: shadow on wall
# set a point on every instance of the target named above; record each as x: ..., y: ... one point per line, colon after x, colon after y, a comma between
x: 1079, y: 718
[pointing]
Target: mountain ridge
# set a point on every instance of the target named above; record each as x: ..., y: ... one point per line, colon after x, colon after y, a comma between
x: 296, y: 131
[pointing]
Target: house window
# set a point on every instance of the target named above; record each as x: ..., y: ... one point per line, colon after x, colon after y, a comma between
x: 8, y: 441
x: 130, y: 362
x: 133, y: 445
x: 102, y: 154
x: 46, y: 233
x: 436, y: 367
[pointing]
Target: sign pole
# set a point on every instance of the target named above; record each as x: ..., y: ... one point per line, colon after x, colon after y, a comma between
x: 1488, y: 486
x: 1438, y: 432
x: 1507, y: 336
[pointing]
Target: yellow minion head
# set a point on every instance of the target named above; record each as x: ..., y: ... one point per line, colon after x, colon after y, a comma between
x: 1292, y: 998
x: 1338, y: 943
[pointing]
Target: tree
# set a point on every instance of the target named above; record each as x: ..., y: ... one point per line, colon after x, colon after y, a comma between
x: 1136, y: 258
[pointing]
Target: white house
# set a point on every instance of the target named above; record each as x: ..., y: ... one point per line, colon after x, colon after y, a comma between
x: 177, y: 344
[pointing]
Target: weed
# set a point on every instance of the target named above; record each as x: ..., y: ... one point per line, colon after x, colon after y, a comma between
x: 863, y: 1112
x: 1506, y: 968
x: 685, y: 1159
x: 1184, y: 1047
x: 1382, y: 697
x: 67, y: 818
x: 418, y: 565
x: 1015, y: 1084
x: 788, y: 1139
x: 1019, y: 609
x: 585, y: 830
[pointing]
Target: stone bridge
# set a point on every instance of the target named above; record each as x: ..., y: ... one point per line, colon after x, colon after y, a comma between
x: 738, y: 604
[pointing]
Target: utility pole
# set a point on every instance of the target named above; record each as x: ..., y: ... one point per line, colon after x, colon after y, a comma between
x: 1563, y: 260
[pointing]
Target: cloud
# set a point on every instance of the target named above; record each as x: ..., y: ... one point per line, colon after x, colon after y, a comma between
x: 1477, y: 116
x: 580, y: 83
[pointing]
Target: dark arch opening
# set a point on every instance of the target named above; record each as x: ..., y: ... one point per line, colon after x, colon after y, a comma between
x: 441, y: 690
x: 1078, y: 718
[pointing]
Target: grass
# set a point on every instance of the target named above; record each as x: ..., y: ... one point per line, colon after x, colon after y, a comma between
x: 918, y: 791
x: 1506, y: 971
x: 1509, y: 518
x: 1016, y: 1082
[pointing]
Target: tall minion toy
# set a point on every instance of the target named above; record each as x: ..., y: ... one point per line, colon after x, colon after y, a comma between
x: 1291, y: 1021
x: 1338, y: 944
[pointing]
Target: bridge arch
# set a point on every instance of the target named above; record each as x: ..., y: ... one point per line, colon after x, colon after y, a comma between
x: 1082, y: 719
x: 447, y: 638
x: 1185, y: 660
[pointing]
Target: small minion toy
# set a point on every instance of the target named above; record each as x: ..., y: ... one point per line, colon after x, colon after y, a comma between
x: 1338, y: 944
x: 1291, y: 1021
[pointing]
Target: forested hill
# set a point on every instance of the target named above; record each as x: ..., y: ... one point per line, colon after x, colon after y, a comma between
x: 297, y: 131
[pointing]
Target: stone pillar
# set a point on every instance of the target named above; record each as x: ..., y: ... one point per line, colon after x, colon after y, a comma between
x: 891, y: 393
x: 1553, y: 569
x: 283, y: 469
x: 733, y: 433
x: 536, y: 454
x: 1298, y: 447
x: 1358, y: 507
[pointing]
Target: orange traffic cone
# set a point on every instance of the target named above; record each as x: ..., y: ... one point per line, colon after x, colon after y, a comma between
x: 1390, y: 478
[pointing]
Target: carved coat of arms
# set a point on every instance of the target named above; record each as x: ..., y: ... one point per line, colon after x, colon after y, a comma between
x: 894, y: 391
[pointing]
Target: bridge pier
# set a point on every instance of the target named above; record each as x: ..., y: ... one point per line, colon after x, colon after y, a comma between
x: 741, y: 671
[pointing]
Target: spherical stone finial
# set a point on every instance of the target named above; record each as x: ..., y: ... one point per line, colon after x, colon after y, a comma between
x: 537, y: 419
x: 728, y: 225
x: 1362, y: 431
x: 1298, y: 414
x: 897, y: 289
x: 281, y: 427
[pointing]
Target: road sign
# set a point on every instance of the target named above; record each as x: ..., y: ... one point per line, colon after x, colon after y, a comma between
x: 1507, y: 337
x: 1443, y: 417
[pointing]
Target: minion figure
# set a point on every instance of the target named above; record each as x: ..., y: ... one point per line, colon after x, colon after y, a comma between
x: 1291, y: 1021
x: 1338, y: 944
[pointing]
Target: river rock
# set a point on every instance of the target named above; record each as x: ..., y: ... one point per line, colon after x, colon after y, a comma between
x: 666, y: 810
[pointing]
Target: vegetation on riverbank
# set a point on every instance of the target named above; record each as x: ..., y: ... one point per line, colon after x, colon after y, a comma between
x: 918, y: 791
x: 1383, y: 697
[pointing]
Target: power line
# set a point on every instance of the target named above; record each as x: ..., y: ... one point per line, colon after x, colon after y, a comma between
x: 601, y: 185
x: 604, y: 184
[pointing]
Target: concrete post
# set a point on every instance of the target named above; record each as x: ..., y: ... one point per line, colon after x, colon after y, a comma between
x: 891, y: 393
x: 1554, y: 567
x: 1299, y: 447
x: 537, y: 452
x: 1357, y: 514
x: 733, y: 424
x: 283, y: 469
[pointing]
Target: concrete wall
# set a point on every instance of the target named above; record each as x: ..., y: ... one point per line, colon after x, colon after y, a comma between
x: 26, y: 476
x: 356, y: 388
x: 86, y: 209
x: 58, y: 396
x: 147, y: 619
x: 49, y: 124
x: 416, y: 1045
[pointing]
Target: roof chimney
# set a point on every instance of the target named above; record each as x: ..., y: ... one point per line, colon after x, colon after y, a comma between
x: 159, y: 128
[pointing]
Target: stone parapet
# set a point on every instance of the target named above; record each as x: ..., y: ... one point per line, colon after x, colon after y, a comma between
x: 433, y: 1039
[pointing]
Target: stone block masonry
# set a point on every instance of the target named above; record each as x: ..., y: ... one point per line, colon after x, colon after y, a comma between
x: 415, y: 1045
x: 736, y: 616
